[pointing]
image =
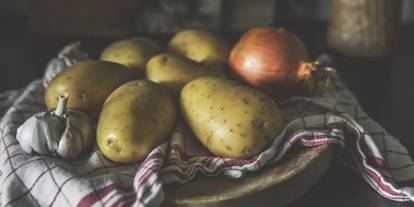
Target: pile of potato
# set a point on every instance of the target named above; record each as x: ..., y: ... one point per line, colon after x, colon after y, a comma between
x: 137, y: 91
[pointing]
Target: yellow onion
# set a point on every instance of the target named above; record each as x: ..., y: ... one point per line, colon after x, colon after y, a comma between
x: 273, y: 60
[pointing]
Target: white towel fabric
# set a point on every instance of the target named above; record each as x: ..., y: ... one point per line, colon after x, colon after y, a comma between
x: 331, y: 116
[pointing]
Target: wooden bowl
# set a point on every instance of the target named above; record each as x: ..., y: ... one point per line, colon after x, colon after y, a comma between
x: 274, y: 185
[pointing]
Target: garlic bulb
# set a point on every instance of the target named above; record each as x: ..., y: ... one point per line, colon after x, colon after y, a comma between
x: 69, y: 55
x: 58, y: 132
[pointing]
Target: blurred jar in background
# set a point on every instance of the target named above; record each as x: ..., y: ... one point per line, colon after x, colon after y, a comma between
x: 364, y: 28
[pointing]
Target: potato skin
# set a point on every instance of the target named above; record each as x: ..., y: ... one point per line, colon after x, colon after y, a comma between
x: 229, y: 119
x: 87, y: 84
x: 133, y: 53
x: 201, y: 46
x: 173, y: 71
x: 135, y: 119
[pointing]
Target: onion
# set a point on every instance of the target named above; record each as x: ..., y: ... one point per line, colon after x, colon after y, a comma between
x: 273, y: 60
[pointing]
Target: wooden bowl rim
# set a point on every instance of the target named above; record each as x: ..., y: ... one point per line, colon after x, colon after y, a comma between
x: 323, y: 150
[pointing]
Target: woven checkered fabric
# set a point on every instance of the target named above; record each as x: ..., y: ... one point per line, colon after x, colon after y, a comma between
x: 331, y: 116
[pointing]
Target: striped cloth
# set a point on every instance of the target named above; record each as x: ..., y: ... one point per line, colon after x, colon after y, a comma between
x: 331, y: 116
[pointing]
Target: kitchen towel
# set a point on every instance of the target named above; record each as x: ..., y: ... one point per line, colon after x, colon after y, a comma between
x: 329, y: 116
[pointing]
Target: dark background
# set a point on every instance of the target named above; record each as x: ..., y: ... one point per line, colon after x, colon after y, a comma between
x: 384, y: 86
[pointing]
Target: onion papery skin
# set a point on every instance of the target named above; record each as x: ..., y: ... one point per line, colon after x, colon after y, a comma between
x: 271, y: 59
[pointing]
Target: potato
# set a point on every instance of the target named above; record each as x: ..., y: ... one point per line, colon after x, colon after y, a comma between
x: 229, y: 119
x: 135, y: 119
x: 87, y: 84
x: 173, y: 71
x: 201, y: 46
x: 133, y: 53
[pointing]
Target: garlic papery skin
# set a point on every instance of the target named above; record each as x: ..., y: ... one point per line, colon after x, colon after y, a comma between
x: 59, y: 132
x: 77, y: 137
x: 40, y: 133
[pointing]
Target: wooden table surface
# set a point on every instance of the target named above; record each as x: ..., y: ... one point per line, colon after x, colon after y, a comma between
x: 384, y: 87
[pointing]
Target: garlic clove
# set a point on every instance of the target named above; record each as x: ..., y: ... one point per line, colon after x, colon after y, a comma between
x: 25, y: 136
x: 53, y: 129
x: 70, y: 144
x: 77, y: 136
x: 48, y: 130
x: 40, y: 133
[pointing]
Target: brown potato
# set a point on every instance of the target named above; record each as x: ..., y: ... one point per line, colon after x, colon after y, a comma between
x: 133, y: 53
x: 135, y: 119
x: 229, y: 119
x: 173, y: 71
x: 87, y: 84
x: 202, y: 47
